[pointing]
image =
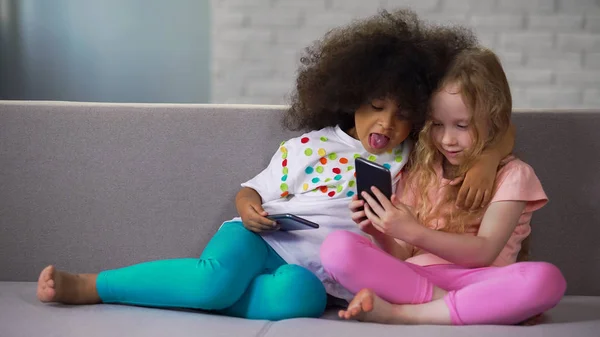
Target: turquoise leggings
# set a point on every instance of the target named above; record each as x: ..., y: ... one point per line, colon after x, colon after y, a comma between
x: 238, y: 274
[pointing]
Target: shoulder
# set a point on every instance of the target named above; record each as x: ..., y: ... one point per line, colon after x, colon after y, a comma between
x: 514, y: 168
x: 516, y: 180
x: 310, y: 137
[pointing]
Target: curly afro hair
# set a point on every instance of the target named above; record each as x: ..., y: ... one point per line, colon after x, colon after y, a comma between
x: 393, y: 55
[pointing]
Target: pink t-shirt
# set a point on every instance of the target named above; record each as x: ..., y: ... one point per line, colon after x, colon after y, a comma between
x: 515, y: 181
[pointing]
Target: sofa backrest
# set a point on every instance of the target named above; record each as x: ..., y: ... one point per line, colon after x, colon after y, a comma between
x: 90, y: 186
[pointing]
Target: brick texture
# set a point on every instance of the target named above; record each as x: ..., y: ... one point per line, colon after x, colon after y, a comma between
x: 550, y: 48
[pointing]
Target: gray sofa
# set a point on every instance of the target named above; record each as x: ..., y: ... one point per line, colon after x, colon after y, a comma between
x: 94, y: 186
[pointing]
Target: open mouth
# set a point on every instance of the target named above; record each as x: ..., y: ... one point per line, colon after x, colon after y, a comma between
x: 378, y: 141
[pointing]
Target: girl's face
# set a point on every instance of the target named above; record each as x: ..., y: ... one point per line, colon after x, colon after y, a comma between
x: 379, y: 127
x: 451, y: 128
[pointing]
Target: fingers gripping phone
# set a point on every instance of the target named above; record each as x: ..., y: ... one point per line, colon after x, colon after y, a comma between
x: 369, y: 174
x: 290, y: 222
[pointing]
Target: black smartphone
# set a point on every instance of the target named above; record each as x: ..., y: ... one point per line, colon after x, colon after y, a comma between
x: 369, y: 174
x: 291, y: 222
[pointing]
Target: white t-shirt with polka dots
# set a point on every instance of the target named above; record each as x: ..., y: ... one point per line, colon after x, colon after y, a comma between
x: 313, y: 177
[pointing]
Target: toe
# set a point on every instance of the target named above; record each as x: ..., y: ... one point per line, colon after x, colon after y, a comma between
x: 367, y: 305
x: 47, y: 273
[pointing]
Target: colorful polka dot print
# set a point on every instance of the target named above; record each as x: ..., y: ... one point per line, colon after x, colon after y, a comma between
x: 327, y: 171
x: 284, y: 189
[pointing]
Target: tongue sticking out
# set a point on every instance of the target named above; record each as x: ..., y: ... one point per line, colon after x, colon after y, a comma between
x: 378, y: 141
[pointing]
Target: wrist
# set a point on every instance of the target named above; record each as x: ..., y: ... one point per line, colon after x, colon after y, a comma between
x: 383, y: 240
x: 377, y: 235
x: 241, y: 203
x: 492, y: 155
x: 416, y: 235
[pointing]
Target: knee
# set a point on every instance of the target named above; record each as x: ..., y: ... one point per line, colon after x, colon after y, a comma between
x: 214, y: 290
x: 301, y: 291
x: 341, y: 251
x: 544, y: 284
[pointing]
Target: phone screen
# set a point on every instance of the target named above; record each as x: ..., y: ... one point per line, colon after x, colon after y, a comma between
x: 370, y: 174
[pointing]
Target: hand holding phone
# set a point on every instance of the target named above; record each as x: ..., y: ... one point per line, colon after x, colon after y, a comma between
x: 254, y: 216
x: 359, y: 217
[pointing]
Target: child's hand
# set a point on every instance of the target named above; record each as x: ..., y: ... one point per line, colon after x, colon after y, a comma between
x: 254, y: 218
x: 477, y: 185
x: 360, y: 218
x: 392, y: 218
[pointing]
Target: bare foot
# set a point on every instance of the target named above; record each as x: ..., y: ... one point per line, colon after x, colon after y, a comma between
x: 62, y: 287
x: 366, y: 306
x: 46, y: 289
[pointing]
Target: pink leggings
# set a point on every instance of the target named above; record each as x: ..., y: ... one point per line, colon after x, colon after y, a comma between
x: 491, y: 295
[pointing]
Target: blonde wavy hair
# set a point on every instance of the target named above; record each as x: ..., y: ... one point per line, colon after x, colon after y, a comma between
x: 482, y: 83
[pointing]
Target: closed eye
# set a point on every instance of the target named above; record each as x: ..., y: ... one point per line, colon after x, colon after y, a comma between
x: 378, y: 108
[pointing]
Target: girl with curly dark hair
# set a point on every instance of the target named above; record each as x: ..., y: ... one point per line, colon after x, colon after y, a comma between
x: 362, y: 91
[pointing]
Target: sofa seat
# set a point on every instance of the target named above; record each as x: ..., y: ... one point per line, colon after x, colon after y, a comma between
x: 22, y: 315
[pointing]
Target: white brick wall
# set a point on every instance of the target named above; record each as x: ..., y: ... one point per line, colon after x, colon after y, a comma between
x: 550, y: 48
